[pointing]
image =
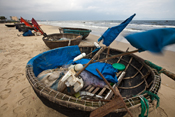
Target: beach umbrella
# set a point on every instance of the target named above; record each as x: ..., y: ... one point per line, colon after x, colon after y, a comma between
x: 111, y: 33
x: 152, y: 40
x: 38, y: 27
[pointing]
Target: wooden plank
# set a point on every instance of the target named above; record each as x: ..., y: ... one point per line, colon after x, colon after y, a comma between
x: 101, y: 92
x: 110, y: 93
x: 87, y: 88
x: 96, y: 90
x: 91, y: 89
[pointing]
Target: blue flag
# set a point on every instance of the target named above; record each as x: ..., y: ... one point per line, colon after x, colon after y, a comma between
x: 152, y: 40
x: 111, y: 33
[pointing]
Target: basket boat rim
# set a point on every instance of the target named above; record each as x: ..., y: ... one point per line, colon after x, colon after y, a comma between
x: 77, y: 29
x: 46, y: 39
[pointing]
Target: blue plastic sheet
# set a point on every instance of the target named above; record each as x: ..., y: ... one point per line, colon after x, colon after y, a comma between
x: 28, y: 33
x: 106, y: 69
x: 111, y: 33
x: 152, y: 40
x: 53, y: 58
x: 61, y: 56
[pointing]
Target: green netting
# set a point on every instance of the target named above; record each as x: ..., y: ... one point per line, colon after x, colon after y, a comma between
x: 144, y: 107
x: 145, y: 101
x: 158, y: 68
x: 153, y: 96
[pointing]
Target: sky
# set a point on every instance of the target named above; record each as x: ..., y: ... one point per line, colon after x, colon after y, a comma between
x: 88, y: 9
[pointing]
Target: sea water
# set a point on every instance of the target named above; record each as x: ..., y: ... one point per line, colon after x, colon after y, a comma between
x: 99, y: 27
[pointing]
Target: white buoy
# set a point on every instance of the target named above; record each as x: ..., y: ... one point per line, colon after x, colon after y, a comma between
x: 96, y: 44
x: 71, y: 66
x: 78, y: 67
x: 79, y: 56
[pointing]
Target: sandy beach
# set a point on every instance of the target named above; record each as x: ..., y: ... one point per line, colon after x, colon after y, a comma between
x: 17, y: 98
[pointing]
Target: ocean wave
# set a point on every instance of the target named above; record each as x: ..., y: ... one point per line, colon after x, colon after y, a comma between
x: 99, y: 27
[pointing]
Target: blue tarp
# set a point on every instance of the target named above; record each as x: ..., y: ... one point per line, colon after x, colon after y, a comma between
x: 53, y: 58
x: 28, y: 33
x: 152, y: 40
x: 62, y: 56
x: 106, y: 69
x: 111, y: 33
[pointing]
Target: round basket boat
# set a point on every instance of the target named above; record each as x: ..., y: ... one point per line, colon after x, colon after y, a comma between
x: 19, y: 25
x: 10, y: 25
x: 53, y: 40
x: 138, y: 79
x: 24, y: 29
x: 82, y: 31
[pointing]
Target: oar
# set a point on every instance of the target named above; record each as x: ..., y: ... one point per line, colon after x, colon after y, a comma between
x: 161, y: 70
x: 117, y: 102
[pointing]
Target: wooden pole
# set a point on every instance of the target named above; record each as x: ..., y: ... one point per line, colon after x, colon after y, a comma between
x: 116, y: 92
x: 118, y: 55
x: 94, y: 57
x: 161, y: 70
x: 107, y: 54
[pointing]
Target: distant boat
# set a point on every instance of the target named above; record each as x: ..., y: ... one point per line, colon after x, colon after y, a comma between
x: 81, y: 31
x: 22, y: 27
x: 10, y: 25
x: 60, y: 40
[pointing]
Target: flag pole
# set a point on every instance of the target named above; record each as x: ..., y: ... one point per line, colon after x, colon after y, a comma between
x: 92, y: 60
x: 108, y: 37
x: 118, y: 55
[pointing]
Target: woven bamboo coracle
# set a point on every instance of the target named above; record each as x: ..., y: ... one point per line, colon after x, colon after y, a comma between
x: 139, y: 78
x: 52, y: 40
x: 81, y: 31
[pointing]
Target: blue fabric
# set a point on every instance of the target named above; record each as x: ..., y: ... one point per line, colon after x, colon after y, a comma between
x: 111, y: 33
x: 28, y: 33
x: 53, y: 58
x: 106, y: 69
x: 152, y: 40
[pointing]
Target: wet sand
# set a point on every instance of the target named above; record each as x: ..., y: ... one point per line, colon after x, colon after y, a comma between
x: 17, y: 98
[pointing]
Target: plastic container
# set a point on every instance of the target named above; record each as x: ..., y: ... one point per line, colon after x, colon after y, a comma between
x: 119, y: 66
x: 79, y: 56
x: 96, y: 44
x: 70, y: 80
